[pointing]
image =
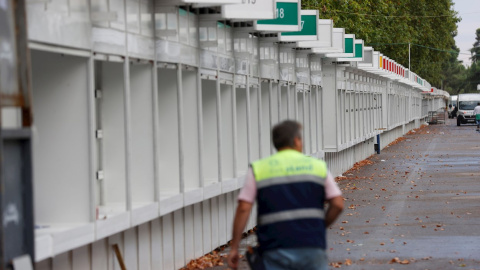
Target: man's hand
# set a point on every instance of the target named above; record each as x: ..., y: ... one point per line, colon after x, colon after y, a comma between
x: 241, y: 218
x: 233, y: 258
x: 335, y: 208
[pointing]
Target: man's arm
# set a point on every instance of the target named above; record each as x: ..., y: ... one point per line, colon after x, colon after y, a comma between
x: 335, y: 208
x: 241, y: 217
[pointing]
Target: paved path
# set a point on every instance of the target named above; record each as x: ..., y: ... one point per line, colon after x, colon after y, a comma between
x: 416, y: 206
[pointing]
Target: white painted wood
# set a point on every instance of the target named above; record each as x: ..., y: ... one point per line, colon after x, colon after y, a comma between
x: 62, y: 261
x: 168, y: 163
x: 100, y: 254
x: 144, y: 212
x: 156, y: 244
x: 179, y: 239
x: 113, y: 126
x: 43, y: 246
x: 189, y: 242
x: 68, y: 237
x: 198, y: 230
x: 230, y: 206
x: 44, y: 265
x: 130, y: 248
x: 144, y: 247
x: 229, y: 185
x: 142, y: 134
x: 112, y: 257
x: 168, y: 246
x: 81, y: 258
x: 227, y: 131
x: 207, y: 229
x: 266, y: 121
x: 170, y: 203
x: 214, y: 222
x: 242, y: 141
x: 193, y: 196
x: 191, y: 131
x: 222, y: 220
x: 61, y: 144
x: 254, y: 124
x: 112, y: 224
x: 210, y: 135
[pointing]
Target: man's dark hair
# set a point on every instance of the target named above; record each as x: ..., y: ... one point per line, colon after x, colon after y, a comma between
x: 284, y: 133
x: 478, y: 103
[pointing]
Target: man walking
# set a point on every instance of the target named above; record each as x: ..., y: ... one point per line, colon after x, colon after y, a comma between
x: 476, y: 112
x: 291, y: 190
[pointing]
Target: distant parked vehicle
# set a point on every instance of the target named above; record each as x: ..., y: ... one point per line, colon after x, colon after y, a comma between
x: 465, y: 104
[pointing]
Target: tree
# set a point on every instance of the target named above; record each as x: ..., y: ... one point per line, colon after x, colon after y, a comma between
x: 454, y: 74
x: 476, y: 48
x: 389, y: 25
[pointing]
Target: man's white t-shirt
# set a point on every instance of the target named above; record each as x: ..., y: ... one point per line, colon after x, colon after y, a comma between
x: 476, y: 110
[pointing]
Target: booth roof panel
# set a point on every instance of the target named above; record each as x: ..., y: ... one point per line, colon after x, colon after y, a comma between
x: 250, y: 10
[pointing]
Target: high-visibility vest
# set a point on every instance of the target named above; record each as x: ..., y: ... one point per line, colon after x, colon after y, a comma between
x: 290, y: 200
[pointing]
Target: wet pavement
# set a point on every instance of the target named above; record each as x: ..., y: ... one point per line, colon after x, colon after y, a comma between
x: 414, y: 206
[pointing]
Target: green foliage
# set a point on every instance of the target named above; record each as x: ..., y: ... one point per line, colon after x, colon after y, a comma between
x: 376, y: 27
x: 476, y: 48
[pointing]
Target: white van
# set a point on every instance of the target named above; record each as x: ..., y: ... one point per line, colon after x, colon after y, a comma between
x: 465, y: 104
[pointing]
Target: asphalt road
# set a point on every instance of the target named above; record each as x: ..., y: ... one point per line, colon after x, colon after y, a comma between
x: 414, y: 206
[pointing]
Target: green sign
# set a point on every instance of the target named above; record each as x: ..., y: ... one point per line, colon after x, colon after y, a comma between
x: 348, y: 45
x: 287, y: 14
x: 359, y: 50
x: 288, y: 18
x: 308, y: 28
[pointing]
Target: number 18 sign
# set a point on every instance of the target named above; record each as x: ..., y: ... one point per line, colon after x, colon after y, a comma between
x: 250, y: 10
x: 288, y: 18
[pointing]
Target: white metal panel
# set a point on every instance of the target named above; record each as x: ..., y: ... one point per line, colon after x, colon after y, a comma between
x: 60, y: 22
x: 198, y: 230
x: 250, y: 9
x: 156, y: 248
x: 188, y: 223
x: 168, y: 246
x: 130, y: 248
x: 227, y: 132
x: 144, y: 247
x: 99, y: 251
x: 191, y: 130
x: 113, y: 126
x: 142, y: 133
x: 210, y: 154
x: 207, y: 226
x: 241, y: 113
x: 179, y: 237
x: 79, y: 257
x: 215, y: 222
x: 62, y: 262
x: 222, y: 220
x: 325, y: 40
x: 168, y: 138
x: 61, y: 145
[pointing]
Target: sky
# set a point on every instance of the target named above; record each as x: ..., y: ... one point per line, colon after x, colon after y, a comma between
x: 467, y: 27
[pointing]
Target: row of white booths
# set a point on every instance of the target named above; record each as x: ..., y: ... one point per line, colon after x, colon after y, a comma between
x: 147, y: 114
